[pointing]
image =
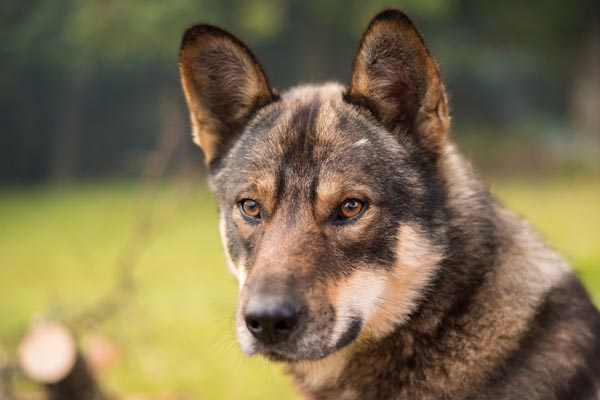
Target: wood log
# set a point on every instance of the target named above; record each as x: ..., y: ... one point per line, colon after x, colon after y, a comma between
x: 48, y: 355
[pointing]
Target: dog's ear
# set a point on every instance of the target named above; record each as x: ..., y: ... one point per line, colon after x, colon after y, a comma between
x: 223, y: 85
x: 397, y: 79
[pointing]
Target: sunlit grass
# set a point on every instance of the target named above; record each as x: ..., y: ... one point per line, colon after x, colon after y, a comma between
x: 58, y: 250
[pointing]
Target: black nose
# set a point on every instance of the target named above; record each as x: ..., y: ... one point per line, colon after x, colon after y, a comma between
x: 271, y: 320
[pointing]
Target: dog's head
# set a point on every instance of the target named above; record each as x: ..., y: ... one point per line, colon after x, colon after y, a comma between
x: 327, y: 194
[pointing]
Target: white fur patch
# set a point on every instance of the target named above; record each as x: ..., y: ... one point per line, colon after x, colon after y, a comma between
x: 242, y: 275
x: 417, y: 262
x: 244, y: 337
x: 357, y: 297
x: 238, y: 271
x: 361, y: 142
x: 225, y: 240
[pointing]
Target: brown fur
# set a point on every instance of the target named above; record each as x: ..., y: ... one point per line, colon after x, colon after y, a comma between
x: 215, y: 63
x: 395, y: 75
x: 433, y: 291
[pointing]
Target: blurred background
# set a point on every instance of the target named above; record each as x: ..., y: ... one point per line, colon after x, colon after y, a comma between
x: 106, y: 224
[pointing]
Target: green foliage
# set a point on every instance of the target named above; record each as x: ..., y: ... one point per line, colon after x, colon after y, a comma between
x: 74, y: 35
x: 65, y: 61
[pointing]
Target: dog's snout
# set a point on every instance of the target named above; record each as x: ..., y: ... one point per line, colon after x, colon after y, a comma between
x: 271, y: 320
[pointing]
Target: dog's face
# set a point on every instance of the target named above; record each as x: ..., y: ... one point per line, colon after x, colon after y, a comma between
x: 326, y: 194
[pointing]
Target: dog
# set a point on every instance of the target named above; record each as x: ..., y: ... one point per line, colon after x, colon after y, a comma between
x: 371, y: 259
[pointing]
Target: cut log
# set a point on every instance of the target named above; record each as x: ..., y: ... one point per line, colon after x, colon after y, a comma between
x: 48, y: 355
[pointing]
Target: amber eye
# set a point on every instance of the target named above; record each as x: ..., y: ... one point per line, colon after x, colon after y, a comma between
x: 250, y: 208
x: 350, y: 208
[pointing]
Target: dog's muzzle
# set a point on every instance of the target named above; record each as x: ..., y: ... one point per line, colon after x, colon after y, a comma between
x: 271, y: 320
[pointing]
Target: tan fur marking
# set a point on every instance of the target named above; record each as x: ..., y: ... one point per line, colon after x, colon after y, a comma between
x: 417, y: 264
x: 357, y: 296
x: 261, y: 189
x: 333, y: 190
x: 317, y: 374
x: 329, y: 195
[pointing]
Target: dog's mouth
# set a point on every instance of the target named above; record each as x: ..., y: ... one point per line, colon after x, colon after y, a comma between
x: 313, y: 350
x: 279, y: 356
x: 280, y: 333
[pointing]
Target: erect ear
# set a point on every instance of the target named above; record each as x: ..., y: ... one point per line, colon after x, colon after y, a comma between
x: 223, y: 85
x: 397, y: 79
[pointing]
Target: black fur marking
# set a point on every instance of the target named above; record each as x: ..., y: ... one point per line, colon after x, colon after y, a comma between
x: 298, y: 157
x: 351, y: 333
x: 462, y: 273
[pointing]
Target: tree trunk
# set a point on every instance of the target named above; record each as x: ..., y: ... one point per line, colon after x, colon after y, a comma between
x: 585, y: 101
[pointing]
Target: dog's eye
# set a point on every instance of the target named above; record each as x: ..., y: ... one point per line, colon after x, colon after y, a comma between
x: 250, y: 208
x: 350, y: 208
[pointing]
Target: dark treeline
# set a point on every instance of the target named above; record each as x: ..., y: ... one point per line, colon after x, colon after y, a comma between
x: 89, y: 88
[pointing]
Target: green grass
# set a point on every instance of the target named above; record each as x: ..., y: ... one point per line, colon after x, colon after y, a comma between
x: 58, y: 249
